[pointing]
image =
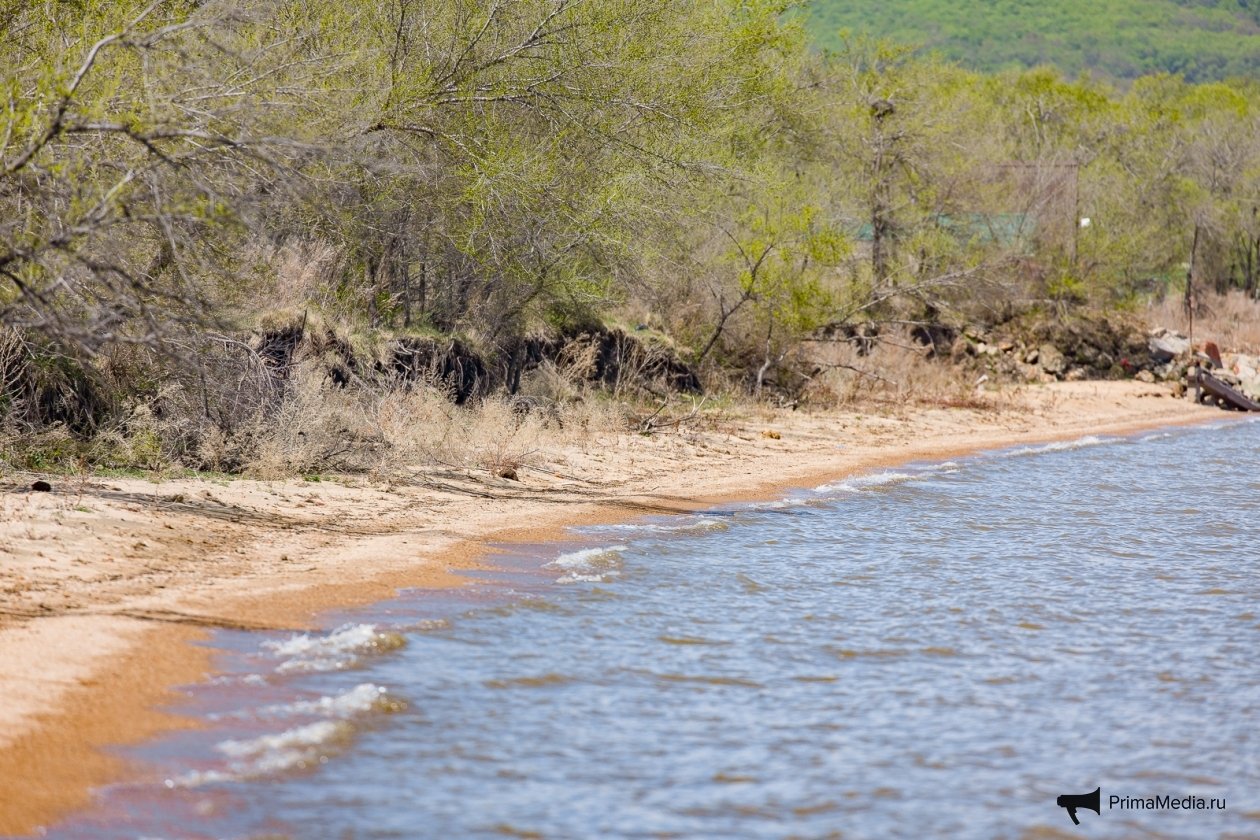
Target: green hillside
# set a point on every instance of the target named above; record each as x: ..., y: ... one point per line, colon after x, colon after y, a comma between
x: 1121, y: 39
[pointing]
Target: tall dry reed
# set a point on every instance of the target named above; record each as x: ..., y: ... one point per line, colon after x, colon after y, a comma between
x: 1232, y: 320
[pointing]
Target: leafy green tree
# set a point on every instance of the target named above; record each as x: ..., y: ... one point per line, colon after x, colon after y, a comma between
x: 125, y: 149
x: 916, y: 168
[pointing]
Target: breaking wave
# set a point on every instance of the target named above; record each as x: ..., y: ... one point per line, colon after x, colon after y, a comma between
x: 1062, y: 445
x: 342, y: 648
x: 692, y: 525
x: 363, y: 698
x: 299, y: 747
x: 866, y: 482
x: 360, y: 700
x: 590, y: 565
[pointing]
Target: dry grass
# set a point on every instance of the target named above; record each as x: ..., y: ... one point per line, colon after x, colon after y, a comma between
x: 240, y: 418
x: 320, y: 427
x: 893, y: 371
x: 302, y: 274
x: 1231, y: 320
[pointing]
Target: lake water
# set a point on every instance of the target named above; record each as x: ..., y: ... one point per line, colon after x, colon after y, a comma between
x: 938, y: 650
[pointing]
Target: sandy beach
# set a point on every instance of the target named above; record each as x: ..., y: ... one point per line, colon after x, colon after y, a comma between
x: 108, y: 584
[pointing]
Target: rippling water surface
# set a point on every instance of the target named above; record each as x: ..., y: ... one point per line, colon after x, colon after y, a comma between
x: 936, y: 651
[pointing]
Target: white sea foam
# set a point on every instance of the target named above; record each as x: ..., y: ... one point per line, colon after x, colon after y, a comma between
x: 777, y: 504
x: 1063, y: 445
x: 239, y: 679
x: 298, y: 747
x: 590, y: 565
x: 691, y: 525
x: 359, y: 700
x: 339, y: 649
x: 430, y: 624
x: 293, y: 749
x: 859, y: 483
x: 363, y: 698
x: 283, y: 750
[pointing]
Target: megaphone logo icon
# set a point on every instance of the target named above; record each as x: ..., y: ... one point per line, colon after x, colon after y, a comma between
x: 1072, y: 801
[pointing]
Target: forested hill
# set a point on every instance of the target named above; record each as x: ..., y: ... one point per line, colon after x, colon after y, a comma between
x: 1120, y: 39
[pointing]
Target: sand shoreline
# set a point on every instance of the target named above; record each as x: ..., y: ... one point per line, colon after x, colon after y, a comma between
x: 107, y: 586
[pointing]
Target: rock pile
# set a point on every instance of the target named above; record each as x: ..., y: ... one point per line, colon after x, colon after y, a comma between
x: 1052, y: 351
x: 1174, y: 360
x: 1242, y: 372
x: 1097, y: 349
x: 1171, y: 359
x: 1166, y: 345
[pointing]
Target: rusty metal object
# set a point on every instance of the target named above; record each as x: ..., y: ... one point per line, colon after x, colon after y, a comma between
x: 1213, y: 352
x: 1212, y: 391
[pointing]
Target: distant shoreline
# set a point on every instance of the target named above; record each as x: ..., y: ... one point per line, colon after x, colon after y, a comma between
x: 122, y: 578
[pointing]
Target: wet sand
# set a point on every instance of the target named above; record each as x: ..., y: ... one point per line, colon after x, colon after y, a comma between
x: 106, y: 585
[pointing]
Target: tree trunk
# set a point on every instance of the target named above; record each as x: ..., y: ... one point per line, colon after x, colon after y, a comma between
x: 369, y: 282
x: 881, y: 191
x: 881, y: 218
x: 765, y: 365
x: 1190, y: 303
